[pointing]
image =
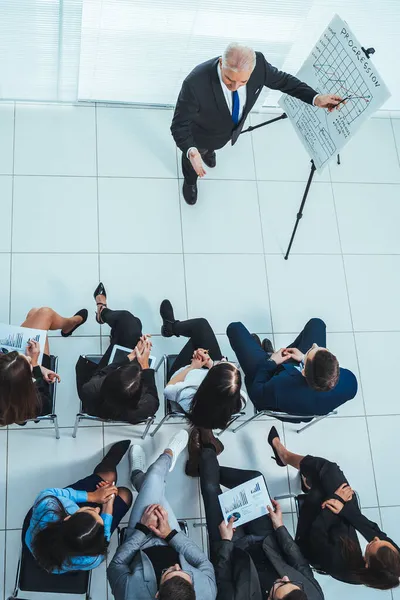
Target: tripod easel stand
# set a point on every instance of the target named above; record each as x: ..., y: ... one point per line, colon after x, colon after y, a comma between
x: 299, y: 215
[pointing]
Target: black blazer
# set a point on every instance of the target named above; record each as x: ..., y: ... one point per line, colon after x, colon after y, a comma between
x: 237, y: 577
x: 90, y: 380
x: 202, y: 117
x: 323, y: 546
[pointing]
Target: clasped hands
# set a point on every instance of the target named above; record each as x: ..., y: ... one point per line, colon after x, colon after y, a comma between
x: 345, y: 492
x: 142, y: 351
x: 284, y: 354
x: 200, y: 359
x: 155, y: 518
x: 105, y: 494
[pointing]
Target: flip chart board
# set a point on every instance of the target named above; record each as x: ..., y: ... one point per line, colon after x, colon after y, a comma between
x: 336, y: 65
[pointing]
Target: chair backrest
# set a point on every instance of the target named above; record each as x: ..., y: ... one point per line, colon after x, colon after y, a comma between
x: 35, y: 579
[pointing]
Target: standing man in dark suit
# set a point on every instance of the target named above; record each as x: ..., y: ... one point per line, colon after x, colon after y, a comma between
x: 216, y: 98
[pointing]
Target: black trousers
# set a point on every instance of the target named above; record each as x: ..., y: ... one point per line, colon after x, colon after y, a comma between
x: 189, y: 173
x: 324, y: 477
x: 212, y: 476
x: 126, y: 330
x: 200, y: 335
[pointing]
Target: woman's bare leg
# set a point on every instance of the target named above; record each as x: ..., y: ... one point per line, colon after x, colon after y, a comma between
x: 47, y: 318
x: 289, y: 458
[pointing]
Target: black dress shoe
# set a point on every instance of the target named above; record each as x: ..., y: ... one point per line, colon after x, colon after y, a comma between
x: 256, y: 337
x: 210, y: 159
x: 267, y: 346
x: 167, y: 315
x: 194, y: 448
x: 190, y: 193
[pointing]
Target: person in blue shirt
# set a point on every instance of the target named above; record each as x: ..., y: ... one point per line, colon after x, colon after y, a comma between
x: 70, y: 528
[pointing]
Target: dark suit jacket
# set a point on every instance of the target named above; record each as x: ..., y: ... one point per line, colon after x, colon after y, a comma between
x: 288, y: 391
x: 202, y: 117
x: 237, y: 577
x: 90, y: 380
x: 323, y: 546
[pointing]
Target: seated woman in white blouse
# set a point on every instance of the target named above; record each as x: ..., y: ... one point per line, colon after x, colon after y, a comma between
x: 205, y: 384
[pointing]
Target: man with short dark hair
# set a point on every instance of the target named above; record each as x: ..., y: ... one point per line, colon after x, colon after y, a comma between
x: 156, y: 559
x: 301, y: 379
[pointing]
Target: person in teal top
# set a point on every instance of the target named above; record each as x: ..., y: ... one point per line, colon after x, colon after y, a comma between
x: 70, y: 528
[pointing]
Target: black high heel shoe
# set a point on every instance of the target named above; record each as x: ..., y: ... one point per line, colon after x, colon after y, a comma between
x: 81, y: 313
x: 271, y: 436
x: 100, y: 291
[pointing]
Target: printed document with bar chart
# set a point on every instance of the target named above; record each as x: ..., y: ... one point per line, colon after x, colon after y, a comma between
x: 14, y: 337
x: 245, y: 502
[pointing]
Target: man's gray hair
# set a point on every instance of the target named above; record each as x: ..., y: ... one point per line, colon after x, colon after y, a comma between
x: 238, y: 58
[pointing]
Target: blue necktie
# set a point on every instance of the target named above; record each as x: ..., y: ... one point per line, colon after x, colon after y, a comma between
x: 235, y: 107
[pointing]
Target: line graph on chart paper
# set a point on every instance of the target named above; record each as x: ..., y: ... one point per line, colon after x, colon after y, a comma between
x: 336, y: 65
x: 337, y: 74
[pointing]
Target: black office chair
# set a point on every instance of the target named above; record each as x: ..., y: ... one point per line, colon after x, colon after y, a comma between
x: 52, y: 393
x: 286, y: 418
x: 32, y: 578
x: 173, y: 409
x: 83, y: 415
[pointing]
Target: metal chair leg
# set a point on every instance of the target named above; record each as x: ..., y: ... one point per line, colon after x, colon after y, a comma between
x: 231, y: 422
x: 285, y: 496
x: 77, y: 421
x: 55, y: 423
x: 313, y: 422
x: 247, y: 422
x: 150, y: 422
x: 163, y: 420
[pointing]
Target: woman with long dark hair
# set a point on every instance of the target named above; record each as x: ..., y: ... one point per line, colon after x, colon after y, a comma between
x: 332, y: 533
x: 204, y: 384
x: 70, y: 528
x: 124, y: 390
x: 24, y: 384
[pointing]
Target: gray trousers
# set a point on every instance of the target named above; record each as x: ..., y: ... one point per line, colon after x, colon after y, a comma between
x: 151, y: 488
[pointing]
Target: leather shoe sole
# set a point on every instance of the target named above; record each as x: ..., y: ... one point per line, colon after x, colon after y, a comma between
x: 190, y: 193
x: 210, y: 159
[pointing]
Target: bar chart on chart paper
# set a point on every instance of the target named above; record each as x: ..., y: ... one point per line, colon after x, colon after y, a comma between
x: 14, y: 338
x: 245, y: 502
x: 337, y: 65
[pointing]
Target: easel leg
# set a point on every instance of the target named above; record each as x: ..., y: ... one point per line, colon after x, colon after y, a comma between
x: 300, y: 213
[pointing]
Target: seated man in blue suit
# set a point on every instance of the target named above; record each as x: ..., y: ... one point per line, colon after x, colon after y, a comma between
x: 302, y: 379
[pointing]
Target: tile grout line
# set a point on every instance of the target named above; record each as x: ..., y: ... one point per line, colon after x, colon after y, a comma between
x: 206, y: 181
x: 12, y: 216
x: 265, y: 254
x: 357, y: 357
x: 395, y: 141
x: 97, y: 204
x: 183, y: 246
x: 262, y: 236
x: 5, y: 519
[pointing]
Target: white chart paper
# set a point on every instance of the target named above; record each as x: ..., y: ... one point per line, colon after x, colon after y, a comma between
x: 336, y: 65
x: 245, y: 502
x: 13, y: 337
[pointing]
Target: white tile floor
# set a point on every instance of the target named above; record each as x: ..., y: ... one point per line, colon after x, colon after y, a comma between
x: 89, y: 193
